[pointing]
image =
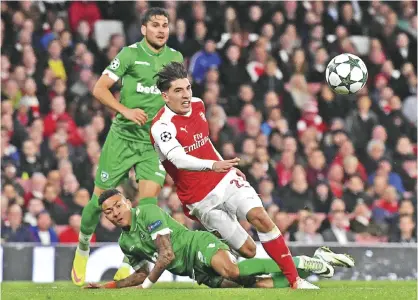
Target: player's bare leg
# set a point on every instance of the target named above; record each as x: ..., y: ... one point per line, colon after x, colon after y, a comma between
x: 248, y: 250
x: 274, y: 244
x: 222, y: 263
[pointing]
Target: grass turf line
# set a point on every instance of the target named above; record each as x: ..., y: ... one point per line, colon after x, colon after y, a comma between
x: 330, y: 290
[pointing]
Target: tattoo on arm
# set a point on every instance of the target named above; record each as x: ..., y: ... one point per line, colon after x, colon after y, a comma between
x: 165, y: 256
x: 134, y: 279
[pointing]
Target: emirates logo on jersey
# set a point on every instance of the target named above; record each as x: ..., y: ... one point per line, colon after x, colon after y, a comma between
x: 200, y: 141
x: 202, y: 115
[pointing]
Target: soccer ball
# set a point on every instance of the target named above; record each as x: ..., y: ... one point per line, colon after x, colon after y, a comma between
x: 346, y: 74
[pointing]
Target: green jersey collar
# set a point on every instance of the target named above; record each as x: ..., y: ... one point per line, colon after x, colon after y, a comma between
x: 143, y: 44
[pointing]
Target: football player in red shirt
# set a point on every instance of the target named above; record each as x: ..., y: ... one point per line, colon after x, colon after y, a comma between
x: 208, y: 187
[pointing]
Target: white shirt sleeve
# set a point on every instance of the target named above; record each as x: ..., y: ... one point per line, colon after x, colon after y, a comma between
x: 164, y: 135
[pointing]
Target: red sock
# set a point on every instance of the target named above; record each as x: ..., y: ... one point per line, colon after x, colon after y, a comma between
x: 275, y: 246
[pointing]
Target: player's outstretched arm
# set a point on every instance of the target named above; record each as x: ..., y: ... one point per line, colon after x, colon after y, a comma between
x: 102, y: 92
x: 165, y: 257
x: 134, y: 279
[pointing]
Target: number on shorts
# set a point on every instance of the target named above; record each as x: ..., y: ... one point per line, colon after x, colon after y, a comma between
x: 239, y: 185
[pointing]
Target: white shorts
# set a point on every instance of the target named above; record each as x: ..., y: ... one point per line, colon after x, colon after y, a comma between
x: 226, y: 205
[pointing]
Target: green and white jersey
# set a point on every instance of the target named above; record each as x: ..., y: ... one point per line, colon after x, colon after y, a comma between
x: 136, y: 65
x: 138, y: 245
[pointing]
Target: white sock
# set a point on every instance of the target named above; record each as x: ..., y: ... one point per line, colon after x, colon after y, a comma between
x: 83, y: 252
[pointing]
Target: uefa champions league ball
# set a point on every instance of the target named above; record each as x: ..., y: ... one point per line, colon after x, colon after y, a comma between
x: 346, y: 74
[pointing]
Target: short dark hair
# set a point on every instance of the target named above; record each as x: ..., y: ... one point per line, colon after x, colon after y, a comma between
x: 107, y: 194
x: 170, y: 73
x: 153, y: 11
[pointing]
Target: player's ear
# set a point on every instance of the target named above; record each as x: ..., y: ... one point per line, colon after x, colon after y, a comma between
x: 128, y: 203
x: 165, y: 97
x: 143, y: 30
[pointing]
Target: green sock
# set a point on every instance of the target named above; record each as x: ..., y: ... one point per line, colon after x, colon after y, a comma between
x: 148, y: 200
x: 258, y: 266
x: 280, y: 281
x: 89, y: 220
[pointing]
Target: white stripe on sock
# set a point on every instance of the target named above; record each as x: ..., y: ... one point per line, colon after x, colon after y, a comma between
x: 83, y: 252
x: 269, y: 236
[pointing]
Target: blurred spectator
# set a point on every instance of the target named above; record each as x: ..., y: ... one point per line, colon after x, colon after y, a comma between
x: 316, y: 167
x: 57, y: 209
x: 81, y: 10
x: 233, y: 71
x: 406, y: 231
x: 339, y: 231
x: 35, y: 206
x: 203, y: 60
x: 323, y: 197
x: 70, y: 234
x: 385, y: 169
x: 355, y: 193
x: 387, y: 206
x: 297, y: 195
x: 284, y: 168
x: 12, y: 229
x: 363, y: 221
x: 360, y: 123
x: 267, y: 194
x: 43, y: 231
x: 307, y: 232
x: 30, y: 162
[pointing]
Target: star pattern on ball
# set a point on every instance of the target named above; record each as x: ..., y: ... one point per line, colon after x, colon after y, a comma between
x: 364, y: 79
x: 353, y: 62
x: 165, y: 136
x: 346, y: 81
x: 332, y: 68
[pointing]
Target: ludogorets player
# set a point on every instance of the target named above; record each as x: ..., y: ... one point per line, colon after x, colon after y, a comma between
x: 151, y: 235
x: 209, y: 187
x: 128, y: 143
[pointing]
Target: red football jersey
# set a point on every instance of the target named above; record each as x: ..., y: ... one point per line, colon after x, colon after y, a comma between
x: 191, y: 132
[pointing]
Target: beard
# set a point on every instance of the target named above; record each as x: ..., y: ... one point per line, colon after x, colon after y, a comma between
x: 155, y: 45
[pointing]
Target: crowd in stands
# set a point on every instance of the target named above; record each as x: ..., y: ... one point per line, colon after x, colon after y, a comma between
x: 327, y: 167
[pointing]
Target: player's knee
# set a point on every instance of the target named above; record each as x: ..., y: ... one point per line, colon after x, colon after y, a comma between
x: 231, y: 271
x: 260, y: 219
x: 248, y: 250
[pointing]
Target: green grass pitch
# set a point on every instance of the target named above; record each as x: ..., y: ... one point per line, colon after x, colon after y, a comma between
x: 330, y: 290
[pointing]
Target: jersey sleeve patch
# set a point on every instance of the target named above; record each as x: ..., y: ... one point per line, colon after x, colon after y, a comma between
x: 165, y: 136
x: 154, y: 225
x: 115, y: 63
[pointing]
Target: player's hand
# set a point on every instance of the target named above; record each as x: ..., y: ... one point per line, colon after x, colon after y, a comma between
x: 93, y: 285
x: 136, y: 115
x: 240, y: 174
x: 224, y: 166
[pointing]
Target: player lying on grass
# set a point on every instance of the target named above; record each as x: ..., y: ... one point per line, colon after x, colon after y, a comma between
x: 217, y: 197
x: 128, y: 143
x: 150, y: 235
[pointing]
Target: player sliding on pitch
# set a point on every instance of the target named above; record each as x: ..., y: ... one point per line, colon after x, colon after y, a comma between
x: 218, y: 196
x: 128, y: 143
x: 150, y: 235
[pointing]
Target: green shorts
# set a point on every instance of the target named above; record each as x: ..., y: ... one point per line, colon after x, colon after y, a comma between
x: 119, y: 155
x: 206, y: 247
